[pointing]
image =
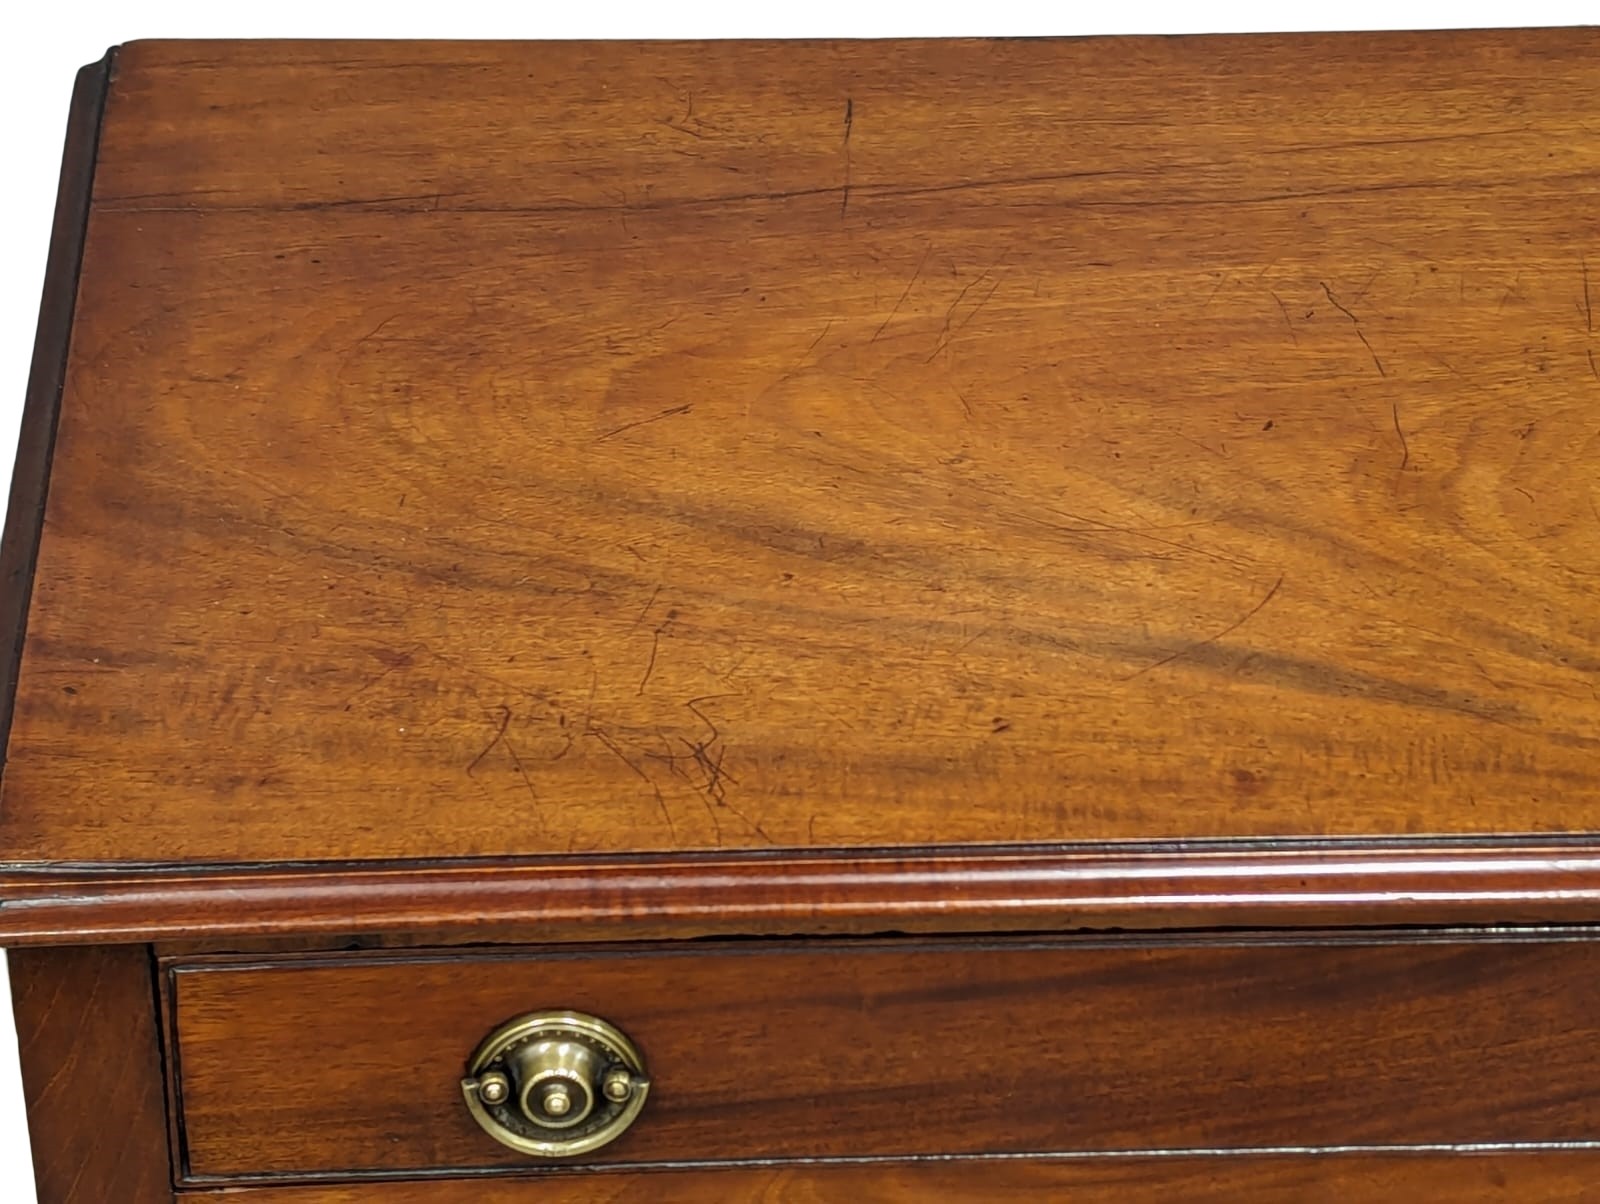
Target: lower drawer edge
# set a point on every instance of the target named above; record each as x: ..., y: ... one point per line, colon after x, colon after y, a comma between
x: 1550, y: 1177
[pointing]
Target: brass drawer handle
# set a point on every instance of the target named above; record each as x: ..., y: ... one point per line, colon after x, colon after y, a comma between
x: 555, y: 1084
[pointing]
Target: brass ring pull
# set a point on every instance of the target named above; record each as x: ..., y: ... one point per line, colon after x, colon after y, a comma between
x: 555, y: 1084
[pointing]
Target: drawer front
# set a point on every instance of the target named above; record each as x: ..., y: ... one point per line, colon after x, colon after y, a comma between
x: 351, y: 1065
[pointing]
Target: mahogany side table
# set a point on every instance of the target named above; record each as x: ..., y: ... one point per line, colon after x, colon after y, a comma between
x: 806, y: 621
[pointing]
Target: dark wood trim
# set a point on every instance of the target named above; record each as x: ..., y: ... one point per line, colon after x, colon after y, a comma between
x: 172, y: 966
x: 91, y: 1074
x: 1270, y: 1179
x: 171, y: 1065
x: 1287, y: 1178
x: 30, y: 479
x: 1045, y: 889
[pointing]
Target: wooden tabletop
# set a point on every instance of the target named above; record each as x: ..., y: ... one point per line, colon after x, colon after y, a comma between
x: 486, y: 450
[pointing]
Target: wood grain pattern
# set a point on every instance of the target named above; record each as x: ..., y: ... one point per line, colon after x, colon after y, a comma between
x: 91, y: 1075
x: 30, y: 477
x: 692, y: 895
x: 340, y: 1065
x: 1566, y: 1178
x: 476, y: 450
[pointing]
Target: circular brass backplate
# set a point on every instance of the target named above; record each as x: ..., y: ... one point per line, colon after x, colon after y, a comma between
x: 584, y: 1065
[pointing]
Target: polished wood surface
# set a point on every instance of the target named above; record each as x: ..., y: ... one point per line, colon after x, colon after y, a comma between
x: 87, y: 1038
x: 352, y: 1064
x: 475, y: 450
x: 690, y: 895
x: 1551, y: 1178
x: 19, y: 546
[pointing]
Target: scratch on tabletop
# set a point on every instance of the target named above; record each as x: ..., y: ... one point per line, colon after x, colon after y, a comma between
x: 849, y: 121
x: 1405, y: 446
x: 949, y: 314
x: 1223, y: 634
x: 910, y: 284
x: 1355, y: 322
x: 499, y: 735
x: 1284, y: 310
x: 628, y: 426
x: 403, y: 661
x: 661, y: 802
x: 654, y: 594
x: 655, y: 645
x: 516, y: 763
x: 1588, y: 307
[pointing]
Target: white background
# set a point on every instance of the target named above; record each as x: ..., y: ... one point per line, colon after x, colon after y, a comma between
x: 47, y: 49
